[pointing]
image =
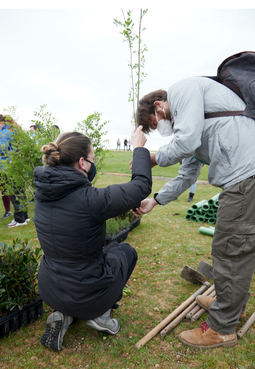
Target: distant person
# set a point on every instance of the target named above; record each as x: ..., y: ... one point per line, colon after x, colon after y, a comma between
x: 57, y: 129
x: 118, y: 144
x: 79, y: 276
x: 35, y: 127
x: 192, y: 191
x: 129, y: 145
x: 6, y: 199
x: 7, y: 127
x: 125, y: 144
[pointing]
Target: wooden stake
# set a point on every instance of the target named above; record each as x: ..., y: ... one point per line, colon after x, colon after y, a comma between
x: 246, y: 326
x: 171, y: 316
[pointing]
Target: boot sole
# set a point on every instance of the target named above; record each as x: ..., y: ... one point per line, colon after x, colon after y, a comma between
x: 51, y: 337
x: 223, y: 344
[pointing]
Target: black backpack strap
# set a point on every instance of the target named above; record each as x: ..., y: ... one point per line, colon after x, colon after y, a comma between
x: 217, y: 114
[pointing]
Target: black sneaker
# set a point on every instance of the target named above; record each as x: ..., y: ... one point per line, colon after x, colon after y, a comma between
x: 7, y: 214
x: 56, y: 327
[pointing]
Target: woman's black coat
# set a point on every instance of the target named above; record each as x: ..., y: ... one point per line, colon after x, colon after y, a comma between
x: 76, y: 276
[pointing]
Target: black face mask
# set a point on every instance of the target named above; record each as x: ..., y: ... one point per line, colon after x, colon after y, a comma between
x: 92, y: 172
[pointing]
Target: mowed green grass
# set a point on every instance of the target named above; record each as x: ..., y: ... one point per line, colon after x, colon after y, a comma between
x: 165, y: 243
x: 118, y: 162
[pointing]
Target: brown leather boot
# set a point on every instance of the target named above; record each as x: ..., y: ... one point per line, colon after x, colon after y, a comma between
x: 205, y: 337
x: 205, y: 302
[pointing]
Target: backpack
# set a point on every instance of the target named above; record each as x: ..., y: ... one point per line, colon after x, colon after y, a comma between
x: 238, y: 73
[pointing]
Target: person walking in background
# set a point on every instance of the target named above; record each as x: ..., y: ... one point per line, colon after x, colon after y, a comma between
x: 125, y: 144
x: 79, y: 276
x: 192, y: 191
x: 7, y: 127
x: 118, y: 144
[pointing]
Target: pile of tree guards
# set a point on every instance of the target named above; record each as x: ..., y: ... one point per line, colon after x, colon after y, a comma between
x: 204, y: 211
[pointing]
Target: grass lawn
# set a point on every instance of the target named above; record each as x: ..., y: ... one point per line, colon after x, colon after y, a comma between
x: 165, y: 242
x: 118, y: 162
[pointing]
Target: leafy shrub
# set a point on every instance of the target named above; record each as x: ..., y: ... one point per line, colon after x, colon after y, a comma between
x: 26, y: 154
x: 95, y: 130
x: 18, y: 274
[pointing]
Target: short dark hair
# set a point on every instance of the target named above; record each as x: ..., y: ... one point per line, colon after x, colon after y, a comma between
x: 146, y: 108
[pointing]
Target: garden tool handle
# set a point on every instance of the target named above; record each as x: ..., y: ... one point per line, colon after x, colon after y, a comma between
x: 181, y: 316
x: 171, y: 316
x: 246, y: 326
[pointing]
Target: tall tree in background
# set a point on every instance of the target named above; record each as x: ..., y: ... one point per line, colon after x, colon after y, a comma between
x: 137, y: 49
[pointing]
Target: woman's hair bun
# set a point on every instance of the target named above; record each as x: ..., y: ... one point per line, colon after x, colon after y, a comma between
x: 51, y: 155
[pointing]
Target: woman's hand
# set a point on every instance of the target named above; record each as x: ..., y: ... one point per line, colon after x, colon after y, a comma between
x: 153, y: 160
x: 138, y: 138
x: 146, y: 206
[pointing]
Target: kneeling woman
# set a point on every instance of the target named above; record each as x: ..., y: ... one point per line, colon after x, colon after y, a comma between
x: 78, y: 276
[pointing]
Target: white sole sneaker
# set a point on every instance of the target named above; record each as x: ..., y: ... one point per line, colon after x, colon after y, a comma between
x: 112, y: 328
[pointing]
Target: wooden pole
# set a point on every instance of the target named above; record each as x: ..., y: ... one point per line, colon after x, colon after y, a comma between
x: 171, y: 316
x: 180, y: 317
x: 246, y: 326
x: 209, y: 292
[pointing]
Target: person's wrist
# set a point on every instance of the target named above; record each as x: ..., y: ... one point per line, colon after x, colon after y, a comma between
x: 155, y: 200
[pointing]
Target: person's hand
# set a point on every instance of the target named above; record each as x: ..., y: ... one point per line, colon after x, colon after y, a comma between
x: 153, y: 160
x: 146, y: 206
x: 138, y: 138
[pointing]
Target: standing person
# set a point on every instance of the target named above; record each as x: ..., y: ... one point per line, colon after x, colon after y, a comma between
x: 192, y: 191
x: 226, y: 144
x: 129, y: 145
x: 118, y: 144
x: 5, y: 135
x: 125, y: 144
x: 79, y: 276
x: 7, y: 127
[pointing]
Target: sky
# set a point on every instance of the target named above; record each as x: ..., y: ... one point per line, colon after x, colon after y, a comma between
x: 75, y: 61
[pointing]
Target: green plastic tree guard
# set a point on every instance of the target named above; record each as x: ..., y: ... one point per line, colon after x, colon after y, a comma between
x: 214, y: 200
x: 207, y: 231
x: 211, y: 220
x: 199, y: 204
x: 191, y: 211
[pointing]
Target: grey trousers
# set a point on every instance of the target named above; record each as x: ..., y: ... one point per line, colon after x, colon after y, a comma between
x: 233, y: 254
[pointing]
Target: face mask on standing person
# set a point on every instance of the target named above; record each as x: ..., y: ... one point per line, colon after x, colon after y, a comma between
x: 165, y: 126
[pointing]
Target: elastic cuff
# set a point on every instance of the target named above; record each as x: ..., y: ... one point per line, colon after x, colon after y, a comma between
x: 155, y: 195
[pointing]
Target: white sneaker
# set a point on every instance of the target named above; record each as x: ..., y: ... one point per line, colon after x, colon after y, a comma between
x: 16, y: 224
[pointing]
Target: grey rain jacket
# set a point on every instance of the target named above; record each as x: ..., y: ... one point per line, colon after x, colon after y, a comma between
x: 226, y: 144
x: 77, y: 276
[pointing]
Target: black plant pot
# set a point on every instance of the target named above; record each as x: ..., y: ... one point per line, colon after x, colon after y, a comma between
x: 122, y: 235
x: 135, y: 223
x: 21, y: 318
x: 118, y: 237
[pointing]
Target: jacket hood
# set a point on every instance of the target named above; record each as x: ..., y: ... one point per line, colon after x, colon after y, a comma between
x: 54, y: 183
